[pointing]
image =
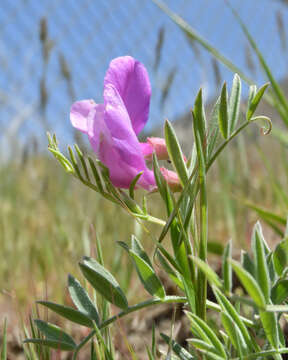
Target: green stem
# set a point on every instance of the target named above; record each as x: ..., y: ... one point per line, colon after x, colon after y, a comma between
x: 142, y: 305
x: 168, y: 300
x: 153, y: 220
x: 224, y: 144
x: 263, y: 354
x: 201, y: 278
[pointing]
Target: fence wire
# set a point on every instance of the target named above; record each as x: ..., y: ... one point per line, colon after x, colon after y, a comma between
x: 53, y: 52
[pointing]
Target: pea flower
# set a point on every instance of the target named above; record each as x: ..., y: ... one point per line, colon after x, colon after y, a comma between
x: 112, y: 127
x: 157, y: 145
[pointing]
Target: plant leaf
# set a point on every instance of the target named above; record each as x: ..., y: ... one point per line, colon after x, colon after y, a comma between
x: 249, y: 284
x: 68, y: 313
x: 138, y: 249
x: 255, y: 101
x: 247, y: 263
x: 59, y: 345
x: 261, y: 266
x: 148, y: 276
x: 234, y: 334
x: 211, y: 275
x: 81, y: 299
x: 210, y: 335
x: 270, y: 326
x: 223, y: 112
x: 175, y: 153
x: 199, y: 122
x: 182, y: 353
x: 279, y: 292
x: 226, y: 267
x: 228, y: 308
x: 234, y: 103
x: 103, y: 282
x: 280, y: 256
x: 54, y: 333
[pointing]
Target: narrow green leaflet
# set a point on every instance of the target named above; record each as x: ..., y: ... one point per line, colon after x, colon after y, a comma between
x: 130, y: 203
x: 251, y: 94
x: 55, y: 336
x: 261, y: 266
x: 163, y: 188
x: 103, y: 282
x: 280, y: 256
x: 213, y: 130
x: 148, y: 276
x: 68, y: 313
x: 199, y: 121
x: 201, y: 345
x: 226, y: 267
x: 58, y: 345
x: 62, y: 160
x: 270, y: 326
x: 228, y: 308
x: 209, y: 333
x: 83, y: 161
x: 175, y: 153
x: 247, y: 263
x: 81, y: 299
x: 139, y: 250
x: 171, y: 273
x: 223, y: 113
x: 234, y: 103
x: 182, y: 353
x: 211, y: 275
x: 255, y: 101
x: 249, y: 284
x: 96, y: 175
x: 133, y: 184
x: 279, y: 292
x: 234, y: 334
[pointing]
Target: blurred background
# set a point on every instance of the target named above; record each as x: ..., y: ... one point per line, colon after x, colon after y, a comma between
x: 54, y: 52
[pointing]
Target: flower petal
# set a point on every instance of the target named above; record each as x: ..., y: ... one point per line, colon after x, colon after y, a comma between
x: 115, y: 142
x: 79, y: 112
x: 157, y: 145
x: 131, y: 80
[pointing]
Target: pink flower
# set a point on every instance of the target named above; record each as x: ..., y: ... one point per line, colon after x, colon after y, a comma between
x: 157, y: 145
x: 112, y: 127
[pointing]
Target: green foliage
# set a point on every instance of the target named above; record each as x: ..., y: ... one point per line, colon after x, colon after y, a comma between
x: 262, y: 277
x: 103, y: 282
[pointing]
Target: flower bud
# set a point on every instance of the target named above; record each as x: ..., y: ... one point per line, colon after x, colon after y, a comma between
x: 155, y: 145
x: 172, y: 179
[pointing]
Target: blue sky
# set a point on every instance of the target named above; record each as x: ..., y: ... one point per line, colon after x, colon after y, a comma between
x: 90, y: 33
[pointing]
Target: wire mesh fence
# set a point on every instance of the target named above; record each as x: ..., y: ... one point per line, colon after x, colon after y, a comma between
x: 55, y: 51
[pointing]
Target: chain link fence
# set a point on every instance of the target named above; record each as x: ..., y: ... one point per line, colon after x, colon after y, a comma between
x: 53, y: 52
